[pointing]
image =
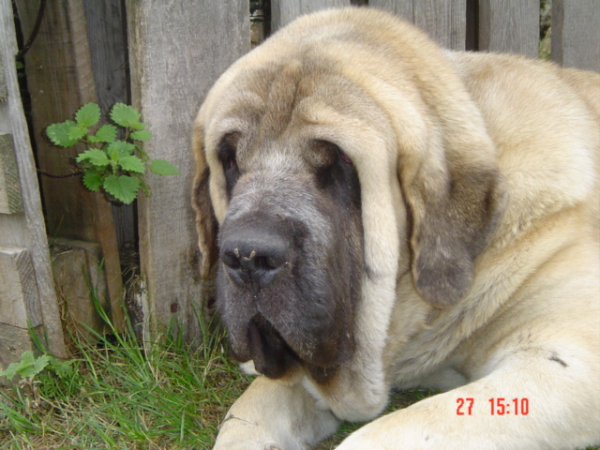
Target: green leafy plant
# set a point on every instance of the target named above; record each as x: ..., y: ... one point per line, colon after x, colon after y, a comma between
x: 37, y: 378
x: 31, y: 368
x: 28, y: 367
x: 114, y: 165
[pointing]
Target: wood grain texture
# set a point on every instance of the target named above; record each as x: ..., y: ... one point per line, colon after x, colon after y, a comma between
x: 3, y: 87
x: 70, y: 260
x: 404, y: 9
x: 60, y: 80
x: 576, y: 33
x: 107, y: 38
x: 18, y: 288
x: 284, y: 11
x: 443, y: 20
x: 10, y: 190
x: 509, y: 26
x: 177, y: 51
x: 26, y: 230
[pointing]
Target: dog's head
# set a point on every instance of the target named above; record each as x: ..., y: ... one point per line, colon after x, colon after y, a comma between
x: 331, y: 160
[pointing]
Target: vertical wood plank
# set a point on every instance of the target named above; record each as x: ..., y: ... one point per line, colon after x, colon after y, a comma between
x: 18, y: 289
x: 177, y: 51
x: 576, y: 33
x: 443, y: 20
x: 60, y: 80
x: 284, y: 11
x: 510, y: 26
x: 10, y: 190
x: 107, y: 37
x: 404, y: 8
x: 3, y: 86
x: 25, y: 230
x: 70, y: 261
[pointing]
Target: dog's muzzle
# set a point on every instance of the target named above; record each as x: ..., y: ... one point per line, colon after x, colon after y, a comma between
x: 253, y: 256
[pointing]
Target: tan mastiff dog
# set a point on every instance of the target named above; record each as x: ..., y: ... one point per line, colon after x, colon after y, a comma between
x: 384, y: 214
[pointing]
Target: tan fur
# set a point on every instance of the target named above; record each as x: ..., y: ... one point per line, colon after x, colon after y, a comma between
x: 490, y: 163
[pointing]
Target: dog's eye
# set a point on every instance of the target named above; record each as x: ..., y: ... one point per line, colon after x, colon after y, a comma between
x: 325, y: 154
x: 343, y: 157
x: 335, y: 171
x: 227, y: 157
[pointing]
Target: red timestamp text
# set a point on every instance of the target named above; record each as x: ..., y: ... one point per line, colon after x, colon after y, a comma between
x: 517, y: 406
x: 498, y: 406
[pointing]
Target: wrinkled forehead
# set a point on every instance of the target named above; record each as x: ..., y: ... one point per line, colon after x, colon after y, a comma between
x: 284, y: 106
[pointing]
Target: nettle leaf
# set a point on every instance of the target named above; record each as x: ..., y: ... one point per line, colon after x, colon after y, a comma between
x: 125, y: 115
x: 106, y: 133
x: 123, y: 188
x: 142, y: 135
x: 61, y: 134
x: 88, y: 115
x: 12, y: 369
x: 131, y: 163
x: 118, y: 149
x: 29, y: 366
x: 93, y: 180
x: 94, y: 156
x: 77, y: 133
x: 63, y: 369
x: 36, y: 367
x: 162, y: 167
x: 138, y: 126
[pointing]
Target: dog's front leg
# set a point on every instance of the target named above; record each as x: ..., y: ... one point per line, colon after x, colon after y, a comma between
x: 271, y: 415
x: 533, y: 403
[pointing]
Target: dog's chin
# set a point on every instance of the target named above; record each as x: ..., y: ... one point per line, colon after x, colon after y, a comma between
x: 265, y: 352
x: 271, y: 355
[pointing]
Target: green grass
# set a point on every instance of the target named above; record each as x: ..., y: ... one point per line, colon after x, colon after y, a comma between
x: 116, y: 395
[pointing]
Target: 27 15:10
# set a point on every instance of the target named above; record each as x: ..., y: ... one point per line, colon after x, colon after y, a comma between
x: 499, y: 406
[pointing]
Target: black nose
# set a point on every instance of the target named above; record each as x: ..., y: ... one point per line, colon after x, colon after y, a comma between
x: 253, y: 257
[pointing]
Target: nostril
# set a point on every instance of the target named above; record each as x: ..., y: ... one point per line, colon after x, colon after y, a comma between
x: 269, y: 262
x: 254, y: 257
x: 230, y: 259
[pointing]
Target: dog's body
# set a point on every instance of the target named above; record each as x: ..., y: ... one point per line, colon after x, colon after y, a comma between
x: 391, y: 215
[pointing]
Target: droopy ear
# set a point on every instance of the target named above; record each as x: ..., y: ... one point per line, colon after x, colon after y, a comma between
x: 206, y: 222
x: 456, y: 200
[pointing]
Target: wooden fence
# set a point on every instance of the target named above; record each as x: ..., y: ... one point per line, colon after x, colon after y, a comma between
x: 163, y: 55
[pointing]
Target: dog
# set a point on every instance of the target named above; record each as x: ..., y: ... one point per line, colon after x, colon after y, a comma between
x: 383, y: 214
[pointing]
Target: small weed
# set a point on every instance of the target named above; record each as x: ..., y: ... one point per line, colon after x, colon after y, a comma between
x: 118, y: 394
x: 114, y: 165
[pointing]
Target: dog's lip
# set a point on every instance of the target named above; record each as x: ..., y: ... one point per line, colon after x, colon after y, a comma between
x: 264, y: 345
x: 274, y: 357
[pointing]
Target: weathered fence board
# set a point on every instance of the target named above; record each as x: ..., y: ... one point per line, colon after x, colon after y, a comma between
x: 509, y: 26
x: 18, y: 278
x: 107, y: 37
x: 284, y: 11
x: 19, y: 302
x: 73, y: 261
x: 576, y: 33
x: 60, y: 80
x: 177, y: 50
x: 26, y: 284
x: 443, y: 20
x: 10, y: 190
